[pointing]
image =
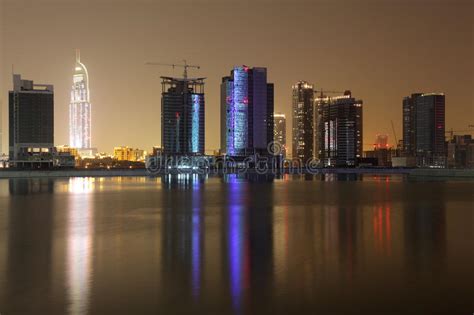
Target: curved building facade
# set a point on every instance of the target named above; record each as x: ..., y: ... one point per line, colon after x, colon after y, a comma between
x: 246, y: 111
x: 80, y: 108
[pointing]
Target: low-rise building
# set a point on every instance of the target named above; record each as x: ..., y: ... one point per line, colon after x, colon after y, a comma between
x: 67, y: 149
x: 123, y: 153
x: 460, y: 152
x: 129, y: 154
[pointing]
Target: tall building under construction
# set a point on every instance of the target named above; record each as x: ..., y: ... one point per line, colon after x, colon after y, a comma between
x: 182, y: 116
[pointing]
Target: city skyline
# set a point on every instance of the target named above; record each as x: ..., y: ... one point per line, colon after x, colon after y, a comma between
x: 126, y: 93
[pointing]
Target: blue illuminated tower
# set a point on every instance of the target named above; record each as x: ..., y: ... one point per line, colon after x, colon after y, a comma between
x: 246, y: 112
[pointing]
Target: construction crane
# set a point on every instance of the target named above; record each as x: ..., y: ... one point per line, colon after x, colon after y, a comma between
x: 451, y: 131
x: 394, y: 134
x: 322, y: 92
x: 184, y: 65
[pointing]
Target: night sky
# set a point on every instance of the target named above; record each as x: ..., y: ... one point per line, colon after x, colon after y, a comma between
x: 381, y: 50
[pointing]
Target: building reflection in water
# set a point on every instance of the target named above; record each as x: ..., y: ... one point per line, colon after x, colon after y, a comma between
x: 381, y: 217
x: 183, y: 231
x: 382, y: 230
x: 280, y: 246
x: 183, y: 181
x: 249, y: 238
x: 231, y: 245
x: 425, y: 235
x: 29, y: 260
x: 196, y: 241
x: 29, y: 186
x: 335, y: 177
x: 237, y: 244
x: 79, y: 243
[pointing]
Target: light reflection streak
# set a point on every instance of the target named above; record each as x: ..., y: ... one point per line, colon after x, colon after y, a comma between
x: 79, y: 244
x: 280, y: 245
x: 237, y: 246
x: 382, y: 229
x: 235, y: 254
x: 196, y: 237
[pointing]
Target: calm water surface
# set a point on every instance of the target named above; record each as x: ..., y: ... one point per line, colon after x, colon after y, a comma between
x: 191, y: 245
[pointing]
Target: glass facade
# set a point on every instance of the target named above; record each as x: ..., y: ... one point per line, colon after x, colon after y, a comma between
x: 303, y: 121
x: 430, y: 130
x: 196, y: 103
x: 239, y: 110
x: 31, y: 119
x: 280, y: 132
x: 341, y: 130
x: 182, y: 116
x: 424, y: 128
x: 247, y: 111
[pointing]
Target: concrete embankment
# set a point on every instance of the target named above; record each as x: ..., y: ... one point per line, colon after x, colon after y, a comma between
x: 448, y: 173
x: 417, y: 173
x: 72, y: 173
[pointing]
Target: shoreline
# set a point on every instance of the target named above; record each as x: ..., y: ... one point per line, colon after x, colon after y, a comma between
x: 448, y: 173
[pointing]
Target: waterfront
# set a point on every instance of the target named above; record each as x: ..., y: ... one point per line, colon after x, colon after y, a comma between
x: 228, y: 245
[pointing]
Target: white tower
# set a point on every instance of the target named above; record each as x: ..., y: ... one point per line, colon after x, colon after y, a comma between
x: 80, y: 108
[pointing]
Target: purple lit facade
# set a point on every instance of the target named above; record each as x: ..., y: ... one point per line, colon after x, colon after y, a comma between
x: 246, y: 111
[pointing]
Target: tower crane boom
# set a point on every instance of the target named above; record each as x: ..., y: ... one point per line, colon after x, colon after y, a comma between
x: 184, y: 65
x: 394, y: 133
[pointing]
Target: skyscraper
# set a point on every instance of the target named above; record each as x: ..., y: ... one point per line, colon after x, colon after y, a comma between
x: 280, y: 131
x: 303, y: 128
x: 340, y: 130
x: 429, y: 132
x: 246, y: 111
x: 409, y: 124
x: 80, y: 133
x: 424, y: 128
x: 31, y: 123
x: 182, y: 116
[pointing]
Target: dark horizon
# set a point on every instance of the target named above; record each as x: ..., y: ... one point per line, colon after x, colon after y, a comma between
x: 381, y: 51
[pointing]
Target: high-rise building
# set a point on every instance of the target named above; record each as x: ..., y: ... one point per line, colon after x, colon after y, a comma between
x: 31, y: 123
x: 80, y: 109
x: 182, y: 116
x: 340, y: 130
x: 409, y: 123
x: 424, y: 128
x: 303, y: 124
x: 246, y: 112
x: 430, y: 126
x: 280, y: 132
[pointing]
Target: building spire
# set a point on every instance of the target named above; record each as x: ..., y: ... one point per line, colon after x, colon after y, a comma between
x: 78, y: 55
